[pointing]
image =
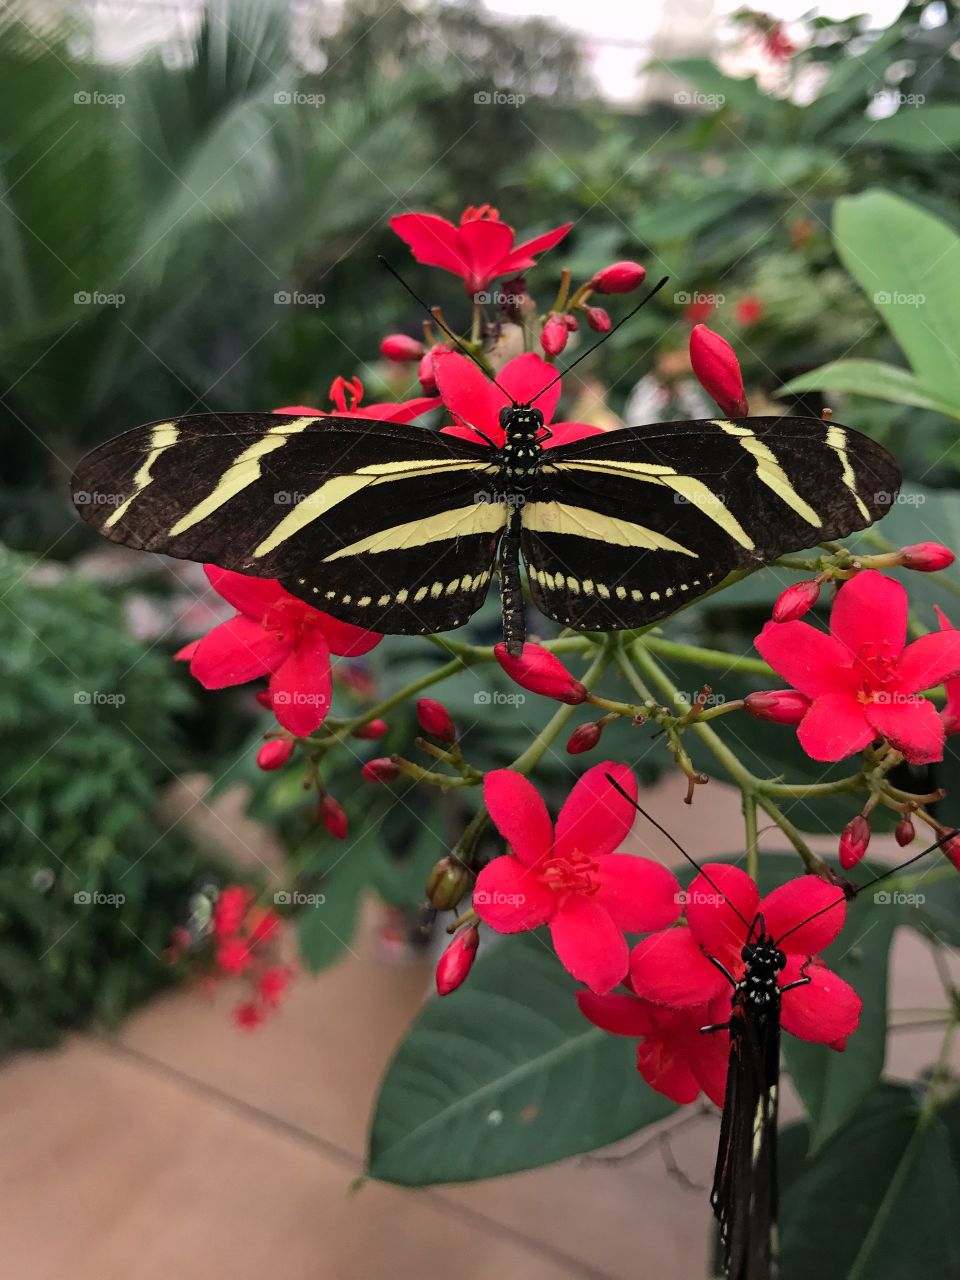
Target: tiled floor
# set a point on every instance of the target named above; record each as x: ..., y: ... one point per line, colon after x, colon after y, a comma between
x: 187, y: 1149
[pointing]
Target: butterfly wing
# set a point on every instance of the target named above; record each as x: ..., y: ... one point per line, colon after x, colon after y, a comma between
x: 628, y: 525
x: 745, y: 1191
x: 381, y: 524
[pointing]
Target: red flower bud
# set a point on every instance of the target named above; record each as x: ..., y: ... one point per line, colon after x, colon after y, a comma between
x: 457, y: 961
x: 717, y: 369
x: 853, y: 841
x: 782, y: 706
x: 370, y: 732
x: 230, y: 908
x: 330, y: 813
x: 248, y: 1015
x: 905, y: 832
x: 598, y: 318
x: 619, y: 277
x: 539, y: 671
x: 383, y: 769
x: 554, y: 335
x: 401, y: 348
x: 796, y: 601
x: 265, y: 698
x: 572, y: 323
x: 749, y: 310
x: 584, y: 738
x: 426, y: 375
x: 275, y: 753
x: 952, y: 850
x: 435, y: 720
x: 927, y: 557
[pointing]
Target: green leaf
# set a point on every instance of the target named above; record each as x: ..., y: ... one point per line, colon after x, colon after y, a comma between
x: 928, y: 129
x: 907, y: 261
x: 832, y: 1085
x: 872, y: 378
x: 878, y: 1202
x: 504, y: 1075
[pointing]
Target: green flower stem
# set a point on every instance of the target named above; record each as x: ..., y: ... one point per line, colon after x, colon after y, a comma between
x: 750, y: 829
x: 529, y: 758
x: 877, y: 539
x: 715, y: 659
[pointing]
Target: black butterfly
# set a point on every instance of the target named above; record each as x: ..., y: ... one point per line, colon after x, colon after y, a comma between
x: 745, y: 1182
x: 399, y: 529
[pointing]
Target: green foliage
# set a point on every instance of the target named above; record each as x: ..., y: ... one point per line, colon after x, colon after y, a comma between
x: 92, y: 879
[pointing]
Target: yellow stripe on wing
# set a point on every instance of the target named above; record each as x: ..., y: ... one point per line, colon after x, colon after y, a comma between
x: 164, y: 435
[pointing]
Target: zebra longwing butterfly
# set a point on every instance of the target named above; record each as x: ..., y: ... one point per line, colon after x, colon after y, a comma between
x: 745, y: 1191
x: 399, y: 529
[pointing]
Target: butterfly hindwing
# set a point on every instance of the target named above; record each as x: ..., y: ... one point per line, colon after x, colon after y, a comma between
x: 626, y: 525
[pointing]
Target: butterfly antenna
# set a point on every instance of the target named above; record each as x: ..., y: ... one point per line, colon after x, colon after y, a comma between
x: 679, y: 847
x: 449, y: 332
x: 600, y: 341
x: 894, y: 871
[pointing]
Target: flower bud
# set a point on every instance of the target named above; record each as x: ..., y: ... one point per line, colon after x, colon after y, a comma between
x: 952, y: 850
x: 853, y: 841
x: 796, y: 601
x: 598, y: 318
x: 572, y: 323
x: 717, y: 369
x: 426, y: 375
x: 330, y: 813
x: 401, y: 348
x: 435, y: 720
x: 584, y: 738
x: 447, y: 883
x: 275, y: 753
x: 383, y: 769
x: 927, y: 557
x: 553, y: 337
x: 782, y: 706
x: 905, y: 832
x: 457, y: 961
x: 538, y: 670
x: 265, y: 698
x: 370, y: 732
x: 230, y: 908
x: 619, y: 277
x: 749, y: 310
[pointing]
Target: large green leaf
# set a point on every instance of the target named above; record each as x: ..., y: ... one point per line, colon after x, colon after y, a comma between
x: 908, y: 262
x: 878, y: 1203
x: 505, y: 1075
x: 872, y: 378
x: 929, y: 128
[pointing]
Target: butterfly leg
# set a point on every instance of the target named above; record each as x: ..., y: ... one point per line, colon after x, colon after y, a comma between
x: 715, y: 1026
x: 511, y: 589
x: 791, y: 986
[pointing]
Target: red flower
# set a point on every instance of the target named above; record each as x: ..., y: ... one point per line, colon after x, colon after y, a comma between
x: 435, y: 720
x: 346, y: 396
x: 854, y: 839
x: 331, y: 814
x: 782, y: 706
x: 950, y: 715
x: 554, y: 335
x: 749, y: 310
x: 570, y: 878
x: 230, y: 908
x: 272, y: 983
x: 672, y: 967
x: 927, y: 557
x: 717, y: 369
x: 278, y: 635
x: 619, y: 277
x: 796, y: 601
x: 371, y: 731
x: 473, y: 399
x: 457, y: 961
x: 674, y: 1056
x: 248, y: 1015
x: 275, y: 753
x: 400, y: 348
x: 863, y: 679
x: 540, y: 671
x: 479, y: 250
x: 265, y: 924
x: 233, y: 955
x: 697, y: 312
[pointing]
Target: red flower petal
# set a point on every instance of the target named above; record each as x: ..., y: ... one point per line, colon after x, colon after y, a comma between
x: 524, y: 377
x: 567, y: 432
x: 397, y: 411
x: 589, y: 944
x: 301, y: 688
x: 252, y: 596
x: 468, y: 394
x: 835, y: 726
x: 911, y: 724
x: 929, y: 661
x: 519, y: 814
x: 346, y: 640
x: 482, y: 246
x: 432, y: 240
x: 523, y: 255
x: 669, y: 968
x: 710, y: 1054
x: 509, y: 897
x: 870, y: 609
x: 186, y: 653
x: 667, y: 1071
x: 812, y: 662
x: 237, y: 651
x: 712, y: 919
x: 796, y: 901
x: 824, y: 1010
x: 595, y: 818
x: 621, y: 1015
x: 639, y: 894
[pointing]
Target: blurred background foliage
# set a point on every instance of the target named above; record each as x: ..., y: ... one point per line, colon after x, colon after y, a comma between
x: 149, y: 247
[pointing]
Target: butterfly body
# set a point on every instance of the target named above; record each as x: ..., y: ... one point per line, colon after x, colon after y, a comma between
x: 400, y: 529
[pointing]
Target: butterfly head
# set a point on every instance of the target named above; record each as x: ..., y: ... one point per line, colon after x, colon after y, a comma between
x: 520, y: 423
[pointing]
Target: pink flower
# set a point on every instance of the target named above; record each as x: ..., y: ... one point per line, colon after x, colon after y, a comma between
x: 674, y: 1056
x: 950, y: 715
x: 570, y: 878
x: 717, y: 369
x: 278, y: 635
x: 672, y: 968
x: 473, y: 399
x: 863, y: 679
x: 479, y: 250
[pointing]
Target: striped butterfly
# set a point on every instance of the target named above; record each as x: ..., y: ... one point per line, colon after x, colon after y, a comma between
x: 399, y: 529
